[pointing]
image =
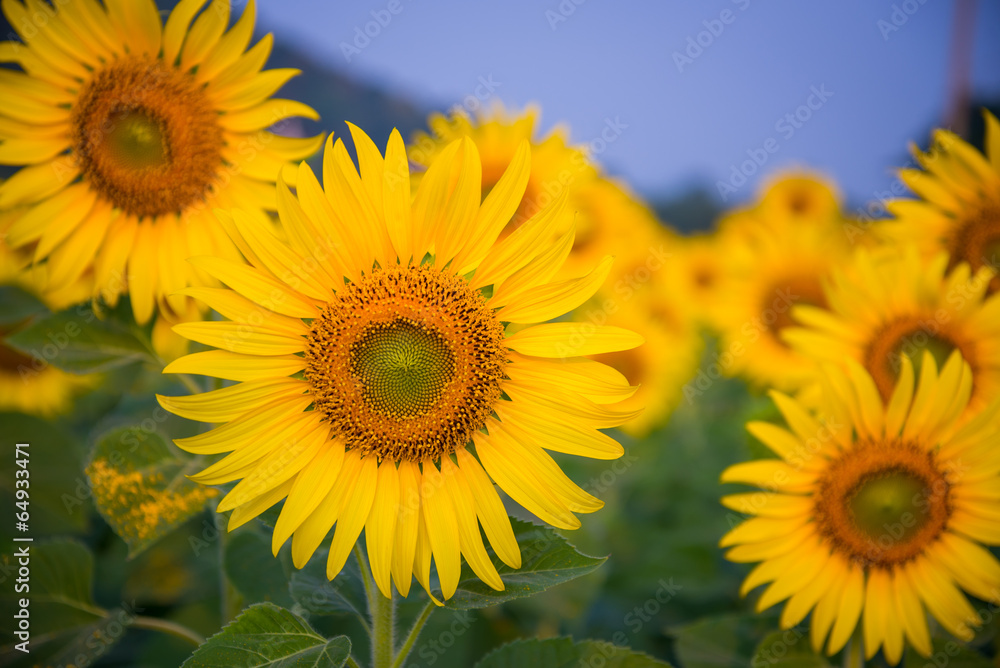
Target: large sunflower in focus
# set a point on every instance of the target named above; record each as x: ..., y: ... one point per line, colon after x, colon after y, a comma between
x: 876, y: 514
x: 959, y: 209
x: 129, y: 132
x: 379, y: 386
x: 884, y: 306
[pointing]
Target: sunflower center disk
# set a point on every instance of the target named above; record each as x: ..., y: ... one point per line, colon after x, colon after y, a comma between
x: 406, y: 363
x: 402, y: 366
x: 146, y: 137
x: 896, y: 498
x: 882, y: 504
x: 786, y: 295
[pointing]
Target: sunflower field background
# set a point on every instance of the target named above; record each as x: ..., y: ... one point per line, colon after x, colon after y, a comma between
x: 312, y: 356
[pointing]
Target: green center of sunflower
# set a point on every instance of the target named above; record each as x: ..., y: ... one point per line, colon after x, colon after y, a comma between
x: 892, y: 499
x: 136, y: 140
x: 403, y: 367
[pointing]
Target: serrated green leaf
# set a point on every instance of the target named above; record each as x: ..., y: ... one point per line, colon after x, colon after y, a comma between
x: 139, y: 486
x: 254, y: 571
x: 564, y: 653
x: 311, y: 589
x: 547, y: 559
x: 77, y: 341
x: 18, y: 304
x: 267, y: 635
x: 788, y: 649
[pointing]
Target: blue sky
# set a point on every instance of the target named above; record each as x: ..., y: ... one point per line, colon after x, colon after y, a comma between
x: 688, y: 122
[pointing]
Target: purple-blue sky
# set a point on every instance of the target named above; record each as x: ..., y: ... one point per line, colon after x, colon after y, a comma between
x: 685, y: 124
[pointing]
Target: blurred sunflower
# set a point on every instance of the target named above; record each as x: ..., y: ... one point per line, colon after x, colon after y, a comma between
x: 129, y: 132
x: 698, y: 275
x: 660, y: 367
x: 387, y: 316
x: 610, y: 219
x: 497, y: 134
x: 884, y: 306
x: 764, y: 281
x: 27, y: 385
x: 960, y: 206
x: 878, y: 513
x: 800, y: 197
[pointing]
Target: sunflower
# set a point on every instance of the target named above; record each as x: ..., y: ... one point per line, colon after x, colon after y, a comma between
x: 380, y: 384
x: 660, y: 367
x: 764, y: 281
x: 800, y: 197
x: 128, y: 133
x: 497, y: 134
x: 698, y: 275
x: 959, y: 209
x: 883, y: 306
x: 876, y: 512
x: 28, y: 385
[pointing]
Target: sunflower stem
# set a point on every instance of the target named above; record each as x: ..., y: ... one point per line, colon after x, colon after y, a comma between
x: 854, y: 655
x: 414, y: 633
x: 383, y: 616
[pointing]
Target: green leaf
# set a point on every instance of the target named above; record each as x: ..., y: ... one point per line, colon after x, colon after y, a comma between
x: 254, y: 571
x: 788, y: 649
x: 18, y: 305
x: 728, y: 641
x: 59, y: 493
x: 267, y: 635
x: 79, y: 342
x: 65, y: 621
x: 547, y: 559
x: 139, y: 486
x: 945, y: 652
x: 315, y: 593
x: 564, y: 653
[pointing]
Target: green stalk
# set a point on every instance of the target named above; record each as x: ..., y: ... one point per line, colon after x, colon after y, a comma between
x: 411, y: 637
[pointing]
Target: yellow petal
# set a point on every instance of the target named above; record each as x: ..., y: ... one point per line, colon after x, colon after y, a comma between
x: 572, y: 339
x: 204, y: 34
x: 489, y: 509
x: 229, y: 403
x: 258, y: 287
x: 380, y: 529
x: 407, y: 526
x: 521, y: 246
x: 496, y: 210
x: 438, y: 511
x: 312, y: 484
x: 233, y: 366
x: 468, y: 525
x: 396, y: 197
x: 521, y: 484
x: 352, y: 514
x: 546, y: 302
x: 299, y: 447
